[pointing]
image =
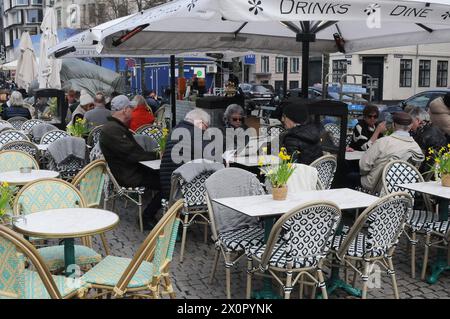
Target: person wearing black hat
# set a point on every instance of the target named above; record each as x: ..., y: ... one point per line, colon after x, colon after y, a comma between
x: 397, y: 146
x: 440, y: 113
x: 301, y: 138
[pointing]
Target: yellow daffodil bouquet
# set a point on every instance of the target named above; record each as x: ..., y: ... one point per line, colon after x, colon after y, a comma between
x: 79, y: 128
x: 6, y: 198
x: 161, y: 139
x: 278, y: 173
x: 441, y: 162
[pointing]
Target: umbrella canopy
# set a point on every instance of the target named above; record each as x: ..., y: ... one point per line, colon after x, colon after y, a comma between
x: 269, y: 26
x: 49, y: 67
x: 26, y: 65
x: 10, y: 66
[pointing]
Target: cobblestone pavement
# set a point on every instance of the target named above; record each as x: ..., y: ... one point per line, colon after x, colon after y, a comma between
x: 191, y: 278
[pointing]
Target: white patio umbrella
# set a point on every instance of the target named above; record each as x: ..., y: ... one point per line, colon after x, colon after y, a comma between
x: 49, y: 67
x: 26, y: 70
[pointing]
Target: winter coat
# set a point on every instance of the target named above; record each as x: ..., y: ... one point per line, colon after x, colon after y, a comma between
x: 440, y: 115
x: 429, y: 136
x: 123, y: 153
x: 303, y: 139
x: 141, y: 116
x: 362, y: 133
x: 13, y: 111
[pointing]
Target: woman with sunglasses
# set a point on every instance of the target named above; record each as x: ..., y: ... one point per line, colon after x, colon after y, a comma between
x: 233, y: 118
x: 366, y: 132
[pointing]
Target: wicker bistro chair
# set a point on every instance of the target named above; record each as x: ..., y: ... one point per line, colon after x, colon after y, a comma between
x: 274, y: 131
x: 147, y: 273
x: 52, y: 136
x: 298, y: 243
x: 19, y: 282
x: 326, y: 167
x: 24, y: 146
x: 17, y: 121
x: 68, y: 168
x: 12, y: 135
x: 90, y: 181
x: 94, y: 136
x: 28, y: 125
x: 400, y: 172
x: 334, y: 131
x: 438, y: 236
x: 134, y: 194
x: 232, y: 182
x: 54, y: 193
x: 14, y: 160
x: 361, y: 250
x: 154, y: 131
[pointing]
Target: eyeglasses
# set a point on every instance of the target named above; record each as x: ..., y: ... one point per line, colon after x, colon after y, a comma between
x: 235, y: 119
x: 373, y: 116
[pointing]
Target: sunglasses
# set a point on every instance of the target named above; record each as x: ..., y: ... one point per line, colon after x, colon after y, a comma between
x: 372, y: 116
x: 235, y: 119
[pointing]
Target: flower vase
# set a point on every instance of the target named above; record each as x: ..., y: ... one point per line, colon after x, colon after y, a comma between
x: 279, y: 193
x: 445, y: 180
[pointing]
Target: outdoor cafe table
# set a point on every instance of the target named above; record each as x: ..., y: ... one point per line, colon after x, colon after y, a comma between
x: 42, y: 147
x: 353, y: 155
x: 18, y: 178
x: 67, y: 224
x: 443, y: 195
x: 264, y: 206
x: 252, y: 161
x: 155, y: 165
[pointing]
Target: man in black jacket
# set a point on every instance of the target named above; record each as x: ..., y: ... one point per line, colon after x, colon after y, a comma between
x: 123, y: 155
x: 301, y: 139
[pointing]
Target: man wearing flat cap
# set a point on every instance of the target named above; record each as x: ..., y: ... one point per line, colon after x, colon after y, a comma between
x: 398, y: 146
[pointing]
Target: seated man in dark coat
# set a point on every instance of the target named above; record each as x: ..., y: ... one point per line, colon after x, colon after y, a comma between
x: 123, y: 155
x: 301, y: 138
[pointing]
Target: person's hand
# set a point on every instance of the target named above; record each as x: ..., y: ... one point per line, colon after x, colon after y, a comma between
x: 381, y: 128
x: 349, y: 149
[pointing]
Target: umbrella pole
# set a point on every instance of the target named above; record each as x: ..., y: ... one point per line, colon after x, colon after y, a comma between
x: 173, y: 97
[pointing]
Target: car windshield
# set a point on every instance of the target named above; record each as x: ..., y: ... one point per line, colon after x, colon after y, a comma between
x: 245, y: 87
x: 420, y: 101
x: 260, y: 89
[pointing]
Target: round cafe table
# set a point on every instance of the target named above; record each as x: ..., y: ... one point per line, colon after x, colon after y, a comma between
x: 67, y: 224
x: 18, y: 178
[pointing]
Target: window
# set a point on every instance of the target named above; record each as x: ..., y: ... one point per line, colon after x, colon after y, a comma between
x: 293, y: 84
x: 34, y: 16
x: 442, y: 73
x: 91, y: 8
x: 101, y: 12
x: 295, y: 65
x: 264, y: 64
x: 279, y: 65
x: 405, y: 72
x: 59, y: 18
x: 20, y: 2
x: 36, y: 2
x: 339, y: 69
x: 424, y: 73
x: 15, y: 18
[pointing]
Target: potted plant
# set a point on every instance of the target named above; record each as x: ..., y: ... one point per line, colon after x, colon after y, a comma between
x: 278, y: 174
x: 6, y: 198
x: 441, y: 163
x: 79, y: 128
x: 161, y: 140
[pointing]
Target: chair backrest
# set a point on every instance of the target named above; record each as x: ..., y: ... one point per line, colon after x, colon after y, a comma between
x: 23, y: 146
x: 47, y: 194
x: 160, y: 116
x: 94, y: 135
x: 14, y: 252
x: 52, y: 136
x: 304, y: 178
x: 194, y: 192
x: 335, y: 132
x: 326, y: 168
x: 68, y: 168
x: 274, y: 131
x: 306, y: 231
x: 17, y: 121
x: 384, y: 220
x: 400, y: 172
x: 153, y: 131
x: 230, y: 182
x: 12, y: 135
x: 14, y: 160
x: 28, y: 125
x: 158, y: 247
x: 4, y: 122
x: 96, y: 153
x: 91, y: 181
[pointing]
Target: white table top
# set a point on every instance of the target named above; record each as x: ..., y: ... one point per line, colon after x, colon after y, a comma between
x: 264, y: 205
x: 354, y: 155
x: 156, y: 164
x: 18, y: 178
x: 66, y: 223
x: 432, y: 188
x: 254, y: 160
x: 42, y: 147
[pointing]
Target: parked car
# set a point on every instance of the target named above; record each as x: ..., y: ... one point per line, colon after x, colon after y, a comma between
x: 315, y: 93
x: 257, y: 94
x: 422, y: 99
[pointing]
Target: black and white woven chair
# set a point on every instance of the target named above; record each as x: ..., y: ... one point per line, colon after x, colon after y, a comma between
x: 274, y: 131
x: 298, y: 244
x: 11, y: 136
x: 231, y: 242
x: 154, y: 131
x: 438, y: 236
x: 94, y: 136
x: 23, y: 146
x: 68, y: 168
x: 326, y: 168
x: 52, y: 136
x: 17, y: 121
x: 28, y: 125
x: 335, y: 132
x: 401, y: 172
x: 4, y: 122
x: 373, y: 238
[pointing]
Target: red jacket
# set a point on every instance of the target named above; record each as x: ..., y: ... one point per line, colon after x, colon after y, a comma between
x: 141, y: 116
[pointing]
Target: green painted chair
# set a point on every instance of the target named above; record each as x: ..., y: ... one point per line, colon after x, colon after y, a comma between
x: 91, y: 182
x: 52, y: 193
x: 14, y: 160
x: 18, y: 282
x: 147, y: 274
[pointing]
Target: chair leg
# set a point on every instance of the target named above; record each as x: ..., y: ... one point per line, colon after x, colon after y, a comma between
x: 391, y: 271
x: 413, y: 254
x: 288, y: 287
x: 141, y: 222
x: 321, y: 284
x: 169, y: 286
x: 206, y: 233
x: 216, y: 260
x: 228, y: 274
x: 183, y: 236
x: 249, y: 278
x: 425, y: 256
x: 365, y: 278
x: 302, y: 287
x: 105, y: 243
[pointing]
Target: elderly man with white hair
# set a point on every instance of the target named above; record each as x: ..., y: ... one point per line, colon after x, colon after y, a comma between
x: 187, y: 143
x: 16, y: 107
